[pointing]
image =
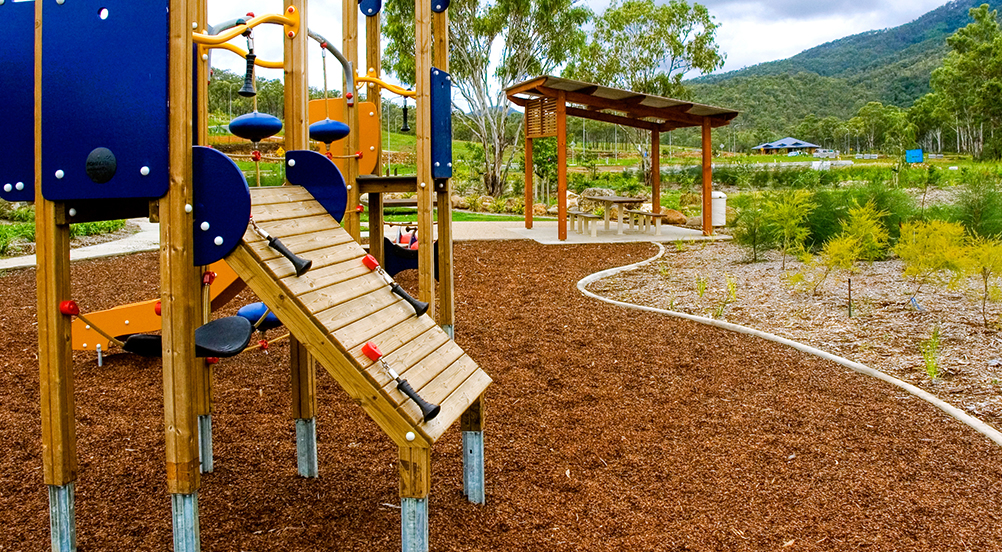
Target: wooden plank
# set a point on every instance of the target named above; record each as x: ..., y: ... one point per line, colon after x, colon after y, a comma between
x: 349, y: 47
x: 303, y: 244
x: 325, y: 276
x: 282, y: 268
x: 304, y: 381
x: 263, y: 214
x: 446, y: 273
x: 178, y: 275
x: 374, y: 63
x: 396, y: 337
x: 610, y: 118
x: 356, y: 309
x: 431, y: 366
x: 404, y: 358
x: 453, y: 406
x: 320, y: 302
x: 293, y: 227
x: 422, y: 123
x: 323, y: 347
x: 474, y: 417
x: 359, y: 332
x: 270, y: 195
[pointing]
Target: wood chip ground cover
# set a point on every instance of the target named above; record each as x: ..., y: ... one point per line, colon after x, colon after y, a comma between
x: 607, y: 429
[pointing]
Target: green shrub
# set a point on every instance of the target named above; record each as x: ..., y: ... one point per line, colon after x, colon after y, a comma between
x: 785, y: 216
x: 751, y: 228
x: 866, y: 227
x: 930, y: 250
x: 984, y: 259
x: 979, y: 203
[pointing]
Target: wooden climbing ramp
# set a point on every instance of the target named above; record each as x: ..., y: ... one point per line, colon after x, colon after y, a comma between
x: 339, y: 305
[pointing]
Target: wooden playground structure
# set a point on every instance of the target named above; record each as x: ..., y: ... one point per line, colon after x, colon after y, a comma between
x: 546, y: 101
x: 143, y: 156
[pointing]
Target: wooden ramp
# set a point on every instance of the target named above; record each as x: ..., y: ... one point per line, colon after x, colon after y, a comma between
x: 339, y: 305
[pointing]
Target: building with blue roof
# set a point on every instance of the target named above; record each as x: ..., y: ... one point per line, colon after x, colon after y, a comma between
x: 787, y: 145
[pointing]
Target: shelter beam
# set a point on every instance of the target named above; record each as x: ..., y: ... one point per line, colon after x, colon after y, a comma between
x: 707, y: 178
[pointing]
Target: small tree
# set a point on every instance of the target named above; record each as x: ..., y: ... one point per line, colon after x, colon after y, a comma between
x: 984, y: 258
x: 865, y: 224
x: 786, y: 217
x: 931, y: 250
x: 750, y: 228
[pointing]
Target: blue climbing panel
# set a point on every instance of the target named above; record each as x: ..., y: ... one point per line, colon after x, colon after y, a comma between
x: 17, y: 66
x: 441, y: 124
x: 439, y: 6
x: 321, y: 177
x: 222, y: 204
x: 104, y: 99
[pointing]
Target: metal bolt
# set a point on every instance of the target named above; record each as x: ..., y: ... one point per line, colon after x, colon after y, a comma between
x: 423, y: 185
x: 73, y: 212
x: 410, y: 436
x: 437, y: 164
x: 218, y: 240
x: 126, y: 322
x: 372, y: 148
x: 19, y: 186
x: 60, y: 174
x: 7, y: 187
x: 292, y: 162
x: 205, y: 226
x: 187, y: 207
x: 349, y: 186
x: 194, y: 24
x: 372, y: 114
x: 205, y: 57
x: 145, y: 171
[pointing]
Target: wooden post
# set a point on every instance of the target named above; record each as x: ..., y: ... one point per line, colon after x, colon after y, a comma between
x: 656, y: 171
x: 528, y: 180
x: 373, y: 59
x: 472, y: 423
x: 301, y: 364
x: 562, y: 165
x: 707, y: 178
x: 179, y: 291
x: 55, y: 358
x: 443, y: 191
x: 349, y: 43
x: 425, y: 193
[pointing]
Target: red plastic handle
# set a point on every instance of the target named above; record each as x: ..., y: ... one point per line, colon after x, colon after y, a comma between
x: 372, y: 351
x: 370, y: 262
x: 156, y: 308
x: 69, y: 308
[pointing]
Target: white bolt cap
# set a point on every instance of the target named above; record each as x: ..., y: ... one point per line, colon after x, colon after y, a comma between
x: 145, y: 171
x: 205, y: 226
x: 60, y: 174
x: 205, y: 57
x: 410, y: 436
x: 349, y: 186
x: 372, y: 148
x: 450, y: 164
x: 372, y: 114
x: 19, y: 186
x: 437, y: 164
x: 423, y: 185
x: 292, y: 162
x: 87, y: 327
x: 7, y: 187
x: 73, y: 212
x: 218, y: 240
x: 126, y: 322
x: 194, y: 24
x: 84, y: 344
x: 187, y: 207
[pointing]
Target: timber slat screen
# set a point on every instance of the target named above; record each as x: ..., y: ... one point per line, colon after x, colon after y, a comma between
x: 339, y: 305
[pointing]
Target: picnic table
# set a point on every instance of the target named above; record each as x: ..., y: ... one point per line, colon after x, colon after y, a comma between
x: 609, y: 201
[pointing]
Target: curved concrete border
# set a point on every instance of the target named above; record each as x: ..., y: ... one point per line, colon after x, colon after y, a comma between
x: 961, y: 416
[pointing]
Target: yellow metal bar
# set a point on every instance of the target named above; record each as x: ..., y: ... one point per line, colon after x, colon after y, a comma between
x: 290, y: 20
x: 243, y: 53
x: 391, y: 87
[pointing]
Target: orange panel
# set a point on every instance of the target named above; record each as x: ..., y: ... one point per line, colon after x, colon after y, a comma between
x: 368, y: 137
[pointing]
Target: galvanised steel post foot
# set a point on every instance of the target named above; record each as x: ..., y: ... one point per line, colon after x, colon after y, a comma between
x: 473, y: 466
x: 414, y: 524
x: 62, y: 518
x: 184, y: 510
x: 205, y: 443
x: 306, y: 447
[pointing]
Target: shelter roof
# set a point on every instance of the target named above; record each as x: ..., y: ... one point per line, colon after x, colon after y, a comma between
x: 618, y: 106
x: 787, y: 142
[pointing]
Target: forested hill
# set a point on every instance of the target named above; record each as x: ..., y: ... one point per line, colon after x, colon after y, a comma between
x: 891, y: 66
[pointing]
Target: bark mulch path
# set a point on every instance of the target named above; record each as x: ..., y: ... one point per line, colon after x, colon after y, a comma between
x: 607, y: 430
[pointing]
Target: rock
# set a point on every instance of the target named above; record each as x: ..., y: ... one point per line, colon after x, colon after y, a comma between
x: 588, y: 205
x: 539, y: 209
x: 674, y: 217
x: 552, y: 210
x: 694, y: 221
x: 459, y: 202
x: 485, y: 203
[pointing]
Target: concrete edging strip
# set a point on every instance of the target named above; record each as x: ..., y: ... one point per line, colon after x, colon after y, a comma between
x: 958, y: 414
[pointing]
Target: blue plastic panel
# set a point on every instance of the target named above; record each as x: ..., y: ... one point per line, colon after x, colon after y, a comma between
x: 441, y: 124
x: 913, y: 156
x: 439, y: 6
x: 370, y: 8
x: 321, y: 177
x: 17, y: 68
x: 222, y: 204
x: 104, y: 85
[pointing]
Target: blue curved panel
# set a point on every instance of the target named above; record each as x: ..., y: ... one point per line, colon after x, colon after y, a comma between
x: 441, y: 124
x: 17, y: 65
x: 439, y: 6
x: 222, y: 204
x: 370, y: 8
x: 104, y: 85
x: 321, y: 177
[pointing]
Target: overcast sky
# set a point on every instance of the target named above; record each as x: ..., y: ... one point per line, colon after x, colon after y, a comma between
x: 751, y: 31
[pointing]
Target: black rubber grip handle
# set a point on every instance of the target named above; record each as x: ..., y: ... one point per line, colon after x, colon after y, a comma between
x: 429, y: 410
x: 248, y: 90
x: 420, y: 307
x: 301, y: 264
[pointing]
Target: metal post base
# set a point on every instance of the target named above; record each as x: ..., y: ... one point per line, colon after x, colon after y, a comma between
x: 62, y: 518
x: 414, y: 524
x: 306, y: 447
x: 450, y: 330
x: 184, y: 509
x: 205, y: 443
x: 473, y: 466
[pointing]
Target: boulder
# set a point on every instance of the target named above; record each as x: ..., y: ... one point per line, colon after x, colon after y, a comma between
x: 539, y: 209
x: 588, y: 205
x: 459, y: 202
x: 552, y: 210
x: 694, y: 221
x: 485, y: 204
x: 674, y: 217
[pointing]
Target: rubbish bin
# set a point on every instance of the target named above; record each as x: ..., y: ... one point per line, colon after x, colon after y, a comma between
x: 718, y: 208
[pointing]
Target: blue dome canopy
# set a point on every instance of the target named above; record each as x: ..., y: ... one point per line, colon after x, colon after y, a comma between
x: 328, y: 131
x: 255, y: 126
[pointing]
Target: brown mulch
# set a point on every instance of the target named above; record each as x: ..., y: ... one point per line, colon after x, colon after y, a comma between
x: 607, y: 430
